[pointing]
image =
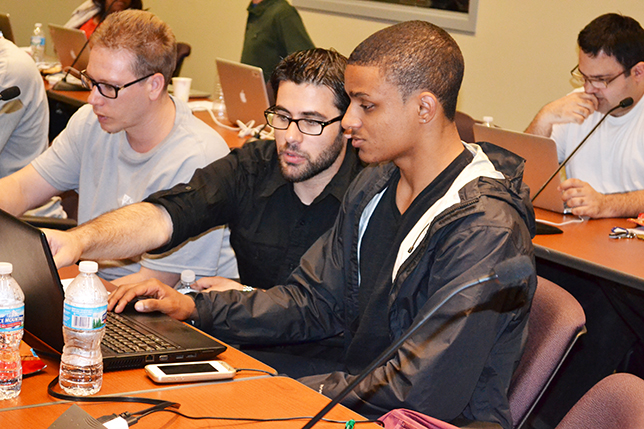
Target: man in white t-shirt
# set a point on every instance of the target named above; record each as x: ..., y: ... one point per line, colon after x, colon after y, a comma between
x: 606, y: 175
x: 131, y: 140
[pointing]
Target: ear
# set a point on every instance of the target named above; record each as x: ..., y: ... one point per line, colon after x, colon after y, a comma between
x: 638, y: 71
x: 427, y: 107
x: 156, y: 85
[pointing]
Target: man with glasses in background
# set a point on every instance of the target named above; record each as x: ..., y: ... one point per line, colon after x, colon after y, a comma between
x: 131, y: 140
x: 605, y: 177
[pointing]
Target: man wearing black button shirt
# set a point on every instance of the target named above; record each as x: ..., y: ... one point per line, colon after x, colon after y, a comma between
x: 279, y: 196
x: 429, y: 215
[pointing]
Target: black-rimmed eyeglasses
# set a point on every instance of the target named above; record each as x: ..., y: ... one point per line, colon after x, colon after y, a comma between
x: 310, y: 127
x: 107, y: 90
x: 600, y: 83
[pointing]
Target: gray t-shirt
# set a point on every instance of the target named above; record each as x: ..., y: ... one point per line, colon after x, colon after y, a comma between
x: 107, y: 174
x: 24, y: 121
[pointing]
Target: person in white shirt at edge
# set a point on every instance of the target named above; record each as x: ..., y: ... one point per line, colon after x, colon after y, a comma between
x: 605, y: 176
x: 131, y: 140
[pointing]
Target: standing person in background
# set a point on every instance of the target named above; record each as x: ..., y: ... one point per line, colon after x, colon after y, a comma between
x: 274, y: 29
x: 88, y: 15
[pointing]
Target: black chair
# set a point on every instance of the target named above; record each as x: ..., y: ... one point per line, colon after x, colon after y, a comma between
x: 183, y: 50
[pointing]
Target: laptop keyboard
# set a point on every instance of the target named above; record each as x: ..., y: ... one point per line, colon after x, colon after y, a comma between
x: 121, y: 337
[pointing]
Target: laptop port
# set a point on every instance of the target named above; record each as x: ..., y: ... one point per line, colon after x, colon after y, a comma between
x: 149, y: 358
x: 163, y: 358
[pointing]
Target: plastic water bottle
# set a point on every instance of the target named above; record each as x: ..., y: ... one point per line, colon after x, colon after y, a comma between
x: 219, y: 105
x: 38, y: 43
x: 12, y: 318
x: 488, y: 120
x: 187, y: 280
x: 85, y: 309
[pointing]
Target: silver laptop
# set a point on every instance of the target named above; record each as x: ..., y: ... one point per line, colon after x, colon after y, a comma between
x: 540, y: 154
x: 244, y: 91
x: 71, y: 46
x: 5, y: 27
x: 162, y: 339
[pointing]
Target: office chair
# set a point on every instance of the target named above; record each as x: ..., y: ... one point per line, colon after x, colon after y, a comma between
x: 183, y: 50
x: 464, y: 123
x: 556, y: 321
x: 617, y: 401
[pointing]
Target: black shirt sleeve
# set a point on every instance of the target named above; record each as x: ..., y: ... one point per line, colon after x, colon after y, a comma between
x: 214, y: 194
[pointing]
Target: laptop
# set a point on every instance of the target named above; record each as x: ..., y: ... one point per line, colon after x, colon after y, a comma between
x: 71, y: 46
x: 540, y: 154
x: 244, y: 91
x: 5, y: 27
x: 34, y: 269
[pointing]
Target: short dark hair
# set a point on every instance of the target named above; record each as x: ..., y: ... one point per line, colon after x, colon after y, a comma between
x: 416, y: 55
x: 617, y: 36
x: 150, y: 40
x: 134, y: 4
x: 316, y: 66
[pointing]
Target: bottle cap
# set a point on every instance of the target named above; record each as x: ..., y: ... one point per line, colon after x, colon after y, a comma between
x: 6, y: 268
x: 88, y: 267
x: 188, y: 276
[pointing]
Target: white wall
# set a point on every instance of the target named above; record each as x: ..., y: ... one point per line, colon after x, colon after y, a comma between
x: 518, y: 59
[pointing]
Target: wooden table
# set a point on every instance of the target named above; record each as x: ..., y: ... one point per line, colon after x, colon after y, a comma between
x: 247, y: 395
x: 586, y: 247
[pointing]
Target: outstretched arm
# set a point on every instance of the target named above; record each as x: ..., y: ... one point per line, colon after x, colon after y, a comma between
x: 573, y: 108
x: 122, y: 233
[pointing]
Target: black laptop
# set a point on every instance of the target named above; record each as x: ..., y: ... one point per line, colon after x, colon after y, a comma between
x: 160, y: 338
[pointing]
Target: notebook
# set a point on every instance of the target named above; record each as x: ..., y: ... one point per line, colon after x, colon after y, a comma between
x: 34, y: 269
x: 244, y: 91
x: 5, y: 27
x: 69, y: 43
x: 540, y: 154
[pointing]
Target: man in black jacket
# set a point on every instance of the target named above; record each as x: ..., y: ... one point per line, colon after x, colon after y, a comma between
x: 432, y: 214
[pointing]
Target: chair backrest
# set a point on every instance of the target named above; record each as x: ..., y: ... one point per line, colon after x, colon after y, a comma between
x: 464, y: 125
x: 556, y: 321
x: 617, y: 401
x: 183, y: 50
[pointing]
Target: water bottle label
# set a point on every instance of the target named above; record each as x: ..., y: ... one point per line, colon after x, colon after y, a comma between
x: 38, y: 40
x: 12, y: 319
x: 84, y: 318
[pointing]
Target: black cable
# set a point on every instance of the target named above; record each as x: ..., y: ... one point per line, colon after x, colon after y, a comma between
x: 66, y: 397
x: 272, y: 374
x: 251, y: 419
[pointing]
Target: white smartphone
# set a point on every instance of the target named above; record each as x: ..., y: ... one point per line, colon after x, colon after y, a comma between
x: 190, y: 371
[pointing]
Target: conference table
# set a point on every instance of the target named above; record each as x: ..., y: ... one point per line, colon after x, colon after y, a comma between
x: 250, y: 394
x: 586, y: 247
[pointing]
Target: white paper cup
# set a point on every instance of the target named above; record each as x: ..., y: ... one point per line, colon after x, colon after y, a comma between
x: 181, y: 87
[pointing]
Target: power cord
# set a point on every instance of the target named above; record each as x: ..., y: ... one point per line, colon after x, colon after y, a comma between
x: 348, y: 424
x: 113, y: 421
x: 127, y: 419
